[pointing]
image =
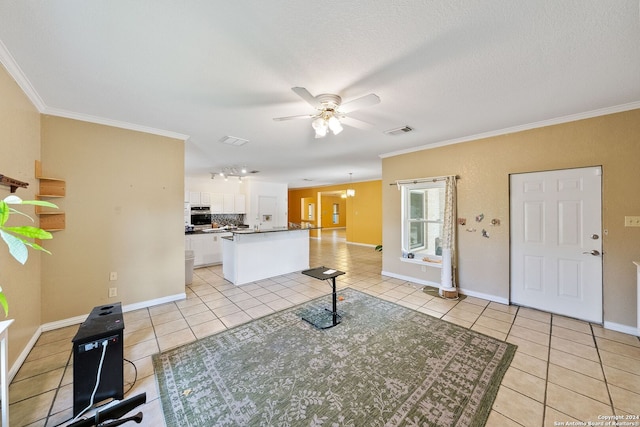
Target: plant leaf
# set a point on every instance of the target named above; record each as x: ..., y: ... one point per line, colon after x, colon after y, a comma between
x: 5, y: 211
x: 4, y: 304
x: 12, y: 199
x: 17, y: 248
x: 15, y: 211
x: 37, y: 247
x: 40, y: 203
x: 31, y: 232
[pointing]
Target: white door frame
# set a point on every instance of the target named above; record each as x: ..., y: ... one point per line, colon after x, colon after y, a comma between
x: 555, y: 224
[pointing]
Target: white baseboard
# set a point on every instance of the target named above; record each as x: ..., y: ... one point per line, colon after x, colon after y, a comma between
x: 467, y: 292
x: 76, y: 321
x: 625, y: 329
x: 410, y: 279
x: 23, y: 355
x: 488, y: 297
x: 361, y: 244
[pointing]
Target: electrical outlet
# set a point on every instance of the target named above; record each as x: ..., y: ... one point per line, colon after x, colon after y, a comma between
x: 632, y: 221
x: 113, y: 276
x: 113, y: 292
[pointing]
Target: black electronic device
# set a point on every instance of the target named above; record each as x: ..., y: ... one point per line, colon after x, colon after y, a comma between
x: 98, y: 358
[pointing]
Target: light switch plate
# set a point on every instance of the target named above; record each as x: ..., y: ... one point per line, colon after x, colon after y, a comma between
x: 632, y: 221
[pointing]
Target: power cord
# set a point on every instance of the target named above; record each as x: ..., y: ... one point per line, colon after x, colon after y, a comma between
x: 135, y: 375
x: 95, y: 389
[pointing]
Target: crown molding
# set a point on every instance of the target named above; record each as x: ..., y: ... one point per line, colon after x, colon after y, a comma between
x: 113, y: 123
x: 15, y: 71
x: 520, y: 128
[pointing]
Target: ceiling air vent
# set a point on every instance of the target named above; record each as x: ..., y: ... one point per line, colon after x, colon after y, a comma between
x: 398, y: 131
x: 233, y: 140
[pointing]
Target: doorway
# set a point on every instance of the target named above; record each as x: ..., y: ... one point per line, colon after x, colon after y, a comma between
x: 556, y: 241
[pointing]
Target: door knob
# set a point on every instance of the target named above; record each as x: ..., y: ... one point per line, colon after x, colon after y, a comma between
x: 593, y: 252
x: 595, y: 236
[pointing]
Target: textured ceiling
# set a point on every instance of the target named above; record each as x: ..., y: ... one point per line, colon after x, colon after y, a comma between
x: 449, y: 69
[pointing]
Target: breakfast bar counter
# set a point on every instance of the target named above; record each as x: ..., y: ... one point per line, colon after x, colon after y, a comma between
x: 249, y: 256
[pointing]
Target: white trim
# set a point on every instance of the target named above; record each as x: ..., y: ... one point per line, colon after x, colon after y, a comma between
x: 79, y: 319
x: 411, y: 279
x: 152, y: 302
x: 15, y: 71
x: 23, y: 355
x: 625, y: 329
x: 558, y: 120
x: 488, y: 297
x: 113, y: 123
x: 21, y: 79
x: 361, y: 244
x: 420, y: 262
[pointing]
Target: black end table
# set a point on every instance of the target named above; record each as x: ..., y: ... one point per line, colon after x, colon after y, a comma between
x: 324, y: 319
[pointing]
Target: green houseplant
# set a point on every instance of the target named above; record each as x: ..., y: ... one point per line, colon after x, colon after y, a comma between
x: 19, y: 238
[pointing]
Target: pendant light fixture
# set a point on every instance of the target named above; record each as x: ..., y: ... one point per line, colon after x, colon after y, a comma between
x: 350, y: 191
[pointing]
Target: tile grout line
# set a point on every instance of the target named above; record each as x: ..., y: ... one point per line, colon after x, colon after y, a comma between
x: 604, y: 376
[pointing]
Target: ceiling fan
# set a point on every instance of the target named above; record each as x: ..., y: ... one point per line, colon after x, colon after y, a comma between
x: 331, y: 112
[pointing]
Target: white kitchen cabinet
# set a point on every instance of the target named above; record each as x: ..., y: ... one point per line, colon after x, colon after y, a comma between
x: 199, y: 198
x: 229, y: 204
x: 240, y: 204
x: 217, y: 201
x: 207, y: 248
x: 205, y: 199
x: 194, y: 198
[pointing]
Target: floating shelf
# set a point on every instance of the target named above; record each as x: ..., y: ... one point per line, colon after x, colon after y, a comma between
x: 50, y: 188
x: 12, y: 183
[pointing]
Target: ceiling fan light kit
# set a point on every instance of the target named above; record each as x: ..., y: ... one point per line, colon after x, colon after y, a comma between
x: 331, y: 111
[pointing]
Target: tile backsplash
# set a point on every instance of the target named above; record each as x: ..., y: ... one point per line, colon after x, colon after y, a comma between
x: 228, y: 219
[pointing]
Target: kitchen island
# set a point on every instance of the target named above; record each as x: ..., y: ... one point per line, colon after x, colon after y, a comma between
x: 249, y: 256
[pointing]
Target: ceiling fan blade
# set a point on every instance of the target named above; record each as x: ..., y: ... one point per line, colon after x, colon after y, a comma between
x: 355, y: 123
x: 362, y: 102
x: 304, y: 116
x: 304, y: 94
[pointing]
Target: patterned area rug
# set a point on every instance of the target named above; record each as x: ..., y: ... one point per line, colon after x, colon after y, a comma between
x: 384, y: 365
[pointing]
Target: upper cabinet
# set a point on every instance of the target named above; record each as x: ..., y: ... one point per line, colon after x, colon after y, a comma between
x: 199, y: 199
x: 240, y: 204
x: 220, y: 203
x: 228, y: 204
x: 217, y: 203
x: 50, y: 220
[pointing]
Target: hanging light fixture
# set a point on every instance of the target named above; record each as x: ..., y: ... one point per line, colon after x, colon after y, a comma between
x: 320, y: 126
x: 327, y: 121
x: 350, y: 191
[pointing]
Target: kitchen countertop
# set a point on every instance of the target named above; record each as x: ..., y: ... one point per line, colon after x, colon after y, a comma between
x: 243, y: 230
x: 209, y: 231
x: 270, y: 230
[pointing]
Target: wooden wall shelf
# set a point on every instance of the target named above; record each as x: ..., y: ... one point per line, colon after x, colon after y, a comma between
x: 50, y: 188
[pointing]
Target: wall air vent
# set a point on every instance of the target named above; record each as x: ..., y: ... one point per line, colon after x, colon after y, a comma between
x: 398, y: 131
x: 233, y: 140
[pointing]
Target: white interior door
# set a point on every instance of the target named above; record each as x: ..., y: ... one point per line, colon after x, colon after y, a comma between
x: 556, y: 242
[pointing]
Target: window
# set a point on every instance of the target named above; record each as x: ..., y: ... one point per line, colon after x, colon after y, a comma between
x: 423, y: 218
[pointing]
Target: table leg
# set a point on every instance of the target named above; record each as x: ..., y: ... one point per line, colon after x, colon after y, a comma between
x: 335, y: 303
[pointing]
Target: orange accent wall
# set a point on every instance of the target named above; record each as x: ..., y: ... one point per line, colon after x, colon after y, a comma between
x: 362, y: 213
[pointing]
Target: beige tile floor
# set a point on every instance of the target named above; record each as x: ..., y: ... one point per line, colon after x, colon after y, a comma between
x: 564, y: 370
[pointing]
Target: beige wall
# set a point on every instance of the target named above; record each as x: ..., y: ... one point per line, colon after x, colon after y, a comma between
x: 19, y: 148
x: 124, y: 214
x: 484, y: 166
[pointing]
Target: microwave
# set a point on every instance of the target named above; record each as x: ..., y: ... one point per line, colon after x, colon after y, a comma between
x: 200, y: 215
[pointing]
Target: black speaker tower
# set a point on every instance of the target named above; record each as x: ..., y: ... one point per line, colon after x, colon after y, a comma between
x: 104, y: 326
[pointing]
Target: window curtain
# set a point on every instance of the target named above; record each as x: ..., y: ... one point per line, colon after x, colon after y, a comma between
x: 449, y: 250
